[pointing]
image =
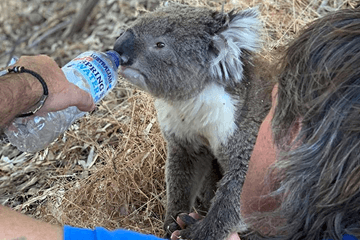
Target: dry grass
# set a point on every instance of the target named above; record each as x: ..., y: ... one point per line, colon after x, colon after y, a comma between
x: 108, y: 169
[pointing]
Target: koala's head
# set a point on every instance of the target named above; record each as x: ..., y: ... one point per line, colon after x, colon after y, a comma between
x: 174, y: 52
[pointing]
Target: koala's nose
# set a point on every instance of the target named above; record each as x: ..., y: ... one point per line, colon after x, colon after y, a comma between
x: 124, y: 45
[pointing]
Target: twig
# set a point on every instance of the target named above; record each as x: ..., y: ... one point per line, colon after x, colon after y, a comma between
x: 81, y: 17
x: 49, y: 32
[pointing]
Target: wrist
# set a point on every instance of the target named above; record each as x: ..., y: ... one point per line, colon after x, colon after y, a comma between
x: 40, y: 103
x: 18, y: 93
x: 32, y: 91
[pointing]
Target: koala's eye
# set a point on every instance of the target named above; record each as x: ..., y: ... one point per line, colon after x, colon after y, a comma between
x: 160, y: 44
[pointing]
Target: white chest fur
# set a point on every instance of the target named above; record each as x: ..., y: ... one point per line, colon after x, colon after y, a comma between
x: 210, y: 115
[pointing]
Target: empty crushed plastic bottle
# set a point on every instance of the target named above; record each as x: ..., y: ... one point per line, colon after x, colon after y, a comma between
x: 95, y: 72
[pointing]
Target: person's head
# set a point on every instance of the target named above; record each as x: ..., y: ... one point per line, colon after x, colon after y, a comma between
x: 319, y: 100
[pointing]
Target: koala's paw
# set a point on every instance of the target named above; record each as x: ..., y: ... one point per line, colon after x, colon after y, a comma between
x: 202, y: 231
x: 173, y: 226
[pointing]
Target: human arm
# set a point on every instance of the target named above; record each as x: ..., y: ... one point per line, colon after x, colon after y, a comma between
x: 14, y: 225
x: 20, y: 91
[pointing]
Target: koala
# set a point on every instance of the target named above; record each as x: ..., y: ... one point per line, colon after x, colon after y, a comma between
x: 198, y: 64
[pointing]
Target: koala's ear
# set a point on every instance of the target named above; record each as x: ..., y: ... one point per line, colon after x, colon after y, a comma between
x: 240, y: 33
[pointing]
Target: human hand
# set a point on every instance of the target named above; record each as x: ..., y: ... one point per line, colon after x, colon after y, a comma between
x: 194, y: 217
x: 62, y: 93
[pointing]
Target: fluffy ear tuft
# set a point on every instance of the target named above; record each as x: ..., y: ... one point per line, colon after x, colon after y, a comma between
x: 240, y: 32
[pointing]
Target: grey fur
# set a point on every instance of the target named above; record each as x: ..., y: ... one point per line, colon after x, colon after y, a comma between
x: 209, y: 103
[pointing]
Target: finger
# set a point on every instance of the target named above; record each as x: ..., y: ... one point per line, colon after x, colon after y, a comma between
x: 83, y: 100
x: 180, y: 222
x: 175, y: 235
x: 196, y: 216
x: 186, y: 221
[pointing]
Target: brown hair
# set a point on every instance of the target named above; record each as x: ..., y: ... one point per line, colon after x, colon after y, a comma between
x: 319, y: 90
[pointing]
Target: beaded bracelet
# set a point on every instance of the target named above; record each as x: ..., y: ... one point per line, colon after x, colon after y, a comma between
x: 40, y: 103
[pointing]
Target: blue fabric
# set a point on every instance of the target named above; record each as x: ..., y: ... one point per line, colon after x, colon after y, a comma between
x: 349, y: 237
x: 73, y: 233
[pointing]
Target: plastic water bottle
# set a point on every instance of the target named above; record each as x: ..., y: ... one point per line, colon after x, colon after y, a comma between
x: 95, y: 72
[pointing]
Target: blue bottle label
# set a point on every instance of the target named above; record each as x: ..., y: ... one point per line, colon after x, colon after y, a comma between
x: 97, y: 72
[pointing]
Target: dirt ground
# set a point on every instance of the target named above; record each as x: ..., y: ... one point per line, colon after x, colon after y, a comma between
x: 108, y: 168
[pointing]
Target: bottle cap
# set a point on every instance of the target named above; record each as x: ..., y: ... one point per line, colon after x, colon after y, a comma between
x: 115, y: 57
